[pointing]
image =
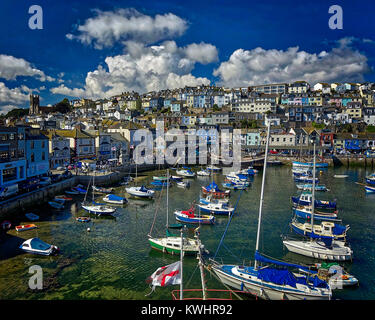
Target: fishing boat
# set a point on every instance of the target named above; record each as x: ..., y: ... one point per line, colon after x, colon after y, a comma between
x: 189, y: 216
x: 370, y: 179
x: 250, y: 171
x: 208, y: 200
x: 183, y: 184
x: 172, y: 243
x: 6, y: 225
x: 32, y: 216
x: 25, y: 227
x: 308, y: 187
x: 305, y: 179
x: 214, y: 190
x: 334, y: 274
x: 203, y: 173
x: 319, y: 165
x: 112, y: 198
x: 305, y: 199
x: 37, y: 246
x: 267, y: 282
x: 212, y: 168
x: 319, y: 246
x: 94, y: 207
x: 158, y: 183
x: 325, y: 228
x: 102, y: 190
x: 370, y: 189
x: 185, y: 173
x: 83, y: 219
x: 237, y: 177
x: 305, y: 213
x: 140, y: 192
x: 234, y: 186
x: 216, y: 208
x: 56, y: 205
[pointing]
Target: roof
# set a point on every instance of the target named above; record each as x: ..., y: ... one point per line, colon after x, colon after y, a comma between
x: 75, y: 133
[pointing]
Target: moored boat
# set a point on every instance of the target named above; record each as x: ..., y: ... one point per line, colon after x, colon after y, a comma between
x: 140, y: 192
x: 370, y: 189
x: 56, y: 205
x: 37, y: 246
x: 216, y: 208
x: 189, y: 216
x: 112, y: 198
x: 305, y: 199
x: 25, y: 227
x: 83, y: 219
x: 32, y: 216
x: 214, y: 190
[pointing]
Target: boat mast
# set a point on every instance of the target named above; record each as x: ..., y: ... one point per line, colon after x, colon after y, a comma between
x: 167, y: 195
x: 262, y: 191
x: 313, y: 193
x: 200, y: 263
x: 182, y: 273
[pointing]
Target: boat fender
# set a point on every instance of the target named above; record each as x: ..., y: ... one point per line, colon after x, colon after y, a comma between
x: 88, y: 229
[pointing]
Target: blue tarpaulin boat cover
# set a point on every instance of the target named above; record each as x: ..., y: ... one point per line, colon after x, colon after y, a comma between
x: 262, y: 258
x: 143, y: 189
x: 241, y: 176
x: 284, y: 276
x: 277, y: 276
x: 213, y: 187
x: 114, y: 197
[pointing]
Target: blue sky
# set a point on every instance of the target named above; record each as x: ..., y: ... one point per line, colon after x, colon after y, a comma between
x: 202, y: 42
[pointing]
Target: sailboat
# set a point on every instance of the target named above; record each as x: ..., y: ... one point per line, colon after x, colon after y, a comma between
x: 94, y: 207
x: 267, y: 282
x: 172, y: 243
x: 140, y: 192
x: 319, y: 246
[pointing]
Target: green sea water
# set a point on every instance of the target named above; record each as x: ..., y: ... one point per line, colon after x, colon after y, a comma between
x: 113, y: 260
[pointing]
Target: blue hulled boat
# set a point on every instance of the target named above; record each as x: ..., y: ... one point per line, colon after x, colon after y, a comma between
x: 305, y: 200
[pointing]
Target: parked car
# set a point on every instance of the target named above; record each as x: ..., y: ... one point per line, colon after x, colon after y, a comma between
x: 7, y: 191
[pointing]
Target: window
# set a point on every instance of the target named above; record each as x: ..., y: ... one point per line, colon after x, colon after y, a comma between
x: 32, y: 144
x: 32, y: 157
x: 43, y: 156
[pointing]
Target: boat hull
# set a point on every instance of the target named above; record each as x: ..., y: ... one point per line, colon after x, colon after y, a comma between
x: 261, y: 289
x: 314, y: 250
x: 161, y: 244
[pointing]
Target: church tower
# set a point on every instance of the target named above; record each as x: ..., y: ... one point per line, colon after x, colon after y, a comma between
x: 34, y: 104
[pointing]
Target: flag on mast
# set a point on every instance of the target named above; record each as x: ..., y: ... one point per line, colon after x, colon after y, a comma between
x: 165, y: 276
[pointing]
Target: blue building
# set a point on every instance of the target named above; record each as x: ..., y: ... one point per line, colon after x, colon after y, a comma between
x: 156, y: 103
x: 37, y: 150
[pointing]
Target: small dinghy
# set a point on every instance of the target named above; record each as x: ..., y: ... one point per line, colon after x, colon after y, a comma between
x: 183, y: 184
x: 37, y: 246
x: 102, y: 190
x: 340, y: 176
x: 56, y: 205
x: 176, y: 178
x: 79, y: 190
x: 112, y: 198
x: 6, y: 225
x: 72, y: 192
x: 83, y: 219
x: 32, y: 216
x: 64, y: 198
x: 26, y: 227
x: 203, y: 173
x: 185, y: 173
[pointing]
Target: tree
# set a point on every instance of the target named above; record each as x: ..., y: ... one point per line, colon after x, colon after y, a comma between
x: 63, y: 106
x: 16, y: 113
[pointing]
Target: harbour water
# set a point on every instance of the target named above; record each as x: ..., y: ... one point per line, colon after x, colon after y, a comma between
x: 114, y: 259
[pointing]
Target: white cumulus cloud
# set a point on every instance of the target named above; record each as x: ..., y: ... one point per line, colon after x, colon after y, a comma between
x: 12, y: 67
x: 109, y: 27
x: 256, y: 66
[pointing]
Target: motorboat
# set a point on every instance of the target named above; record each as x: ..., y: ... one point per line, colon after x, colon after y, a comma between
x: 37, y: 246
x: 112, y: 198
x: 25, y: 227
x: 141, y: 192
